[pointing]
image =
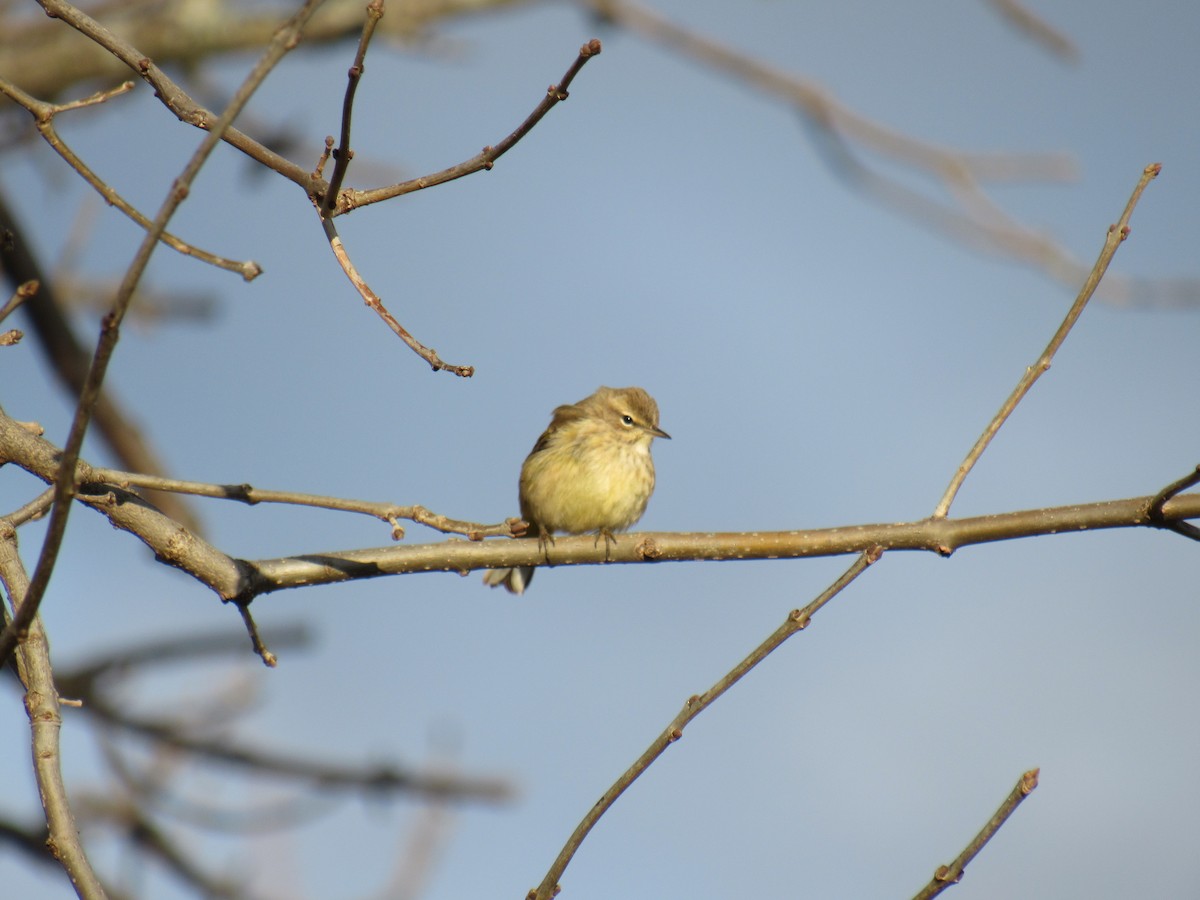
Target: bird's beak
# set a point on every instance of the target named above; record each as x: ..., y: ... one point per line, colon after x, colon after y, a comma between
x: 658, y: 432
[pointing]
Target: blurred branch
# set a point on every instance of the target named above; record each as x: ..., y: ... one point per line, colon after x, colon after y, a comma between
x: 1116, y: 236
x: 147, y: 836
x: 974, y: 219
x: 184, y: 32
x: 88, y: 684
x: 797, y: 620
x: 952, y: 874
x: 69, y: 359
x: 1037, y: 29
x: 82, y: 679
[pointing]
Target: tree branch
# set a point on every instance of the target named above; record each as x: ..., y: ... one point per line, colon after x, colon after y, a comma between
x: 45, y: 722
x: 243, y: 580
x: 1116, y: 236
x: 797, y: 620
x: 952, y: 874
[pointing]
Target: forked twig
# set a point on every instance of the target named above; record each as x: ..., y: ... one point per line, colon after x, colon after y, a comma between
x: 332, y: 205
x: 486, y: 158
x: 1116, y: 234
x: 1156, y: 516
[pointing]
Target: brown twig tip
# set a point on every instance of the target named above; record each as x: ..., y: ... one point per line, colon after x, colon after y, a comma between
x: 590, y: 49
x: 1029, y: 781
x: 1153, y: 169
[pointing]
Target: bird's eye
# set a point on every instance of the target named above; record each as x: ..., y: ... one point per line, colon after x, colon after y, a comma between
x: 627, y: 419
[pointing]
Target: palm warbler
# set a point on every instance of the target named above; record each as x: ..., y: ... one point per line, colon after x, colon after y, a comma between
x: 591, y: 470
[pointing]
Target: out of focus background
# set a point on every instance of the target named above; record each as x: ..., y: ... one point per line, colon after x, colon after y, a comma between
x: 827, y: 324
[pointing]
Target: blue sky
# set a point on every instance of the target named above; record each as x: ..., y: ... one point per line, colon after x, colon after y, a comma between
x: 818, y: 361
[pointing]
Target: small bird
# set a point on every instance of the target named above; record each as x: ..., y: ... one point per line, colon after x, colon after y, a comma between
x: 591, y: 470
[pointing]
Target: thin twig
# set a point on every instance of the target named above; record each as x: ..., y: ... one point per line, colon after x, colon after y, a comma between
x: 43, y: 116
x: 284, y: 40
x: 372, y: 300
x: 797, y: 620
x: 31, y: 511
x: 23, y: 292
x: 250, y: 495
x: 343, y: 154
x: 1116, y: 235
x: 269, y: 659
x: 945, y: 876
x: 484, y: 160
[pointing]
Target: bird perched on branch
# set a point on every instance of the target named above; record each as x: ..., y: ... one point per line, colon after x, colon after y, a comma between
x: 590, y: 471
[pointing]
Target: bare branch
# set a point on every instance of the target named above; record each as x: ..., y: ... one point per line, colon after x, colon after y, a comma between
x: 240, y: 579
x: 372, y: 300
x: 797, y: 620
x: 248, y: 494
x: 43, y: 116
x: 952, y: 874
x: 168, y: 539
x: 484, y: 160
x: 45, y: 721
x: 1116, y: 235
x: 350, y: 200
x: 343, y: 154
